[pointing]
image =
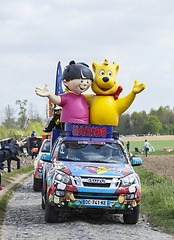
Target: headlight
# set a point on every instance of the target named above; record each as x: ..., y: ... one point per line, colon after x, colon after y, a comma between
x: 130, y: 196
x: 129, y: 180
x: 59, y: 193
x: 62, y: 177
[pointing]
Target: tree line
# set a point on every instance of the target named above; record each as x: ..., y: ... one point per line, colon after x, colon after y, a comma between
x: 159, y: 121
x: 14, y: 121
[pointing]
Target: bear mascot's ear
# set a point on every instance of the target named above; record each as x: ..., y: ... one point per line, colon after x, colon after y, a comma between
x: 116, y: 66
x: 94, y: 66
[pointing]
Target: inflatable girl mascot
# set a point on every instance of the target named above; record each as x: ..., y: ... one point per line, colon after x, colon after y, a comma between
x: 77, y: 78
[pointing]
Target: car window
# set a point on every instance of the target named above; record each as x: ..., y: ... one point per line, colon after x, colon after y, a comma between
x: 108, y: 152
x: 46, y: 147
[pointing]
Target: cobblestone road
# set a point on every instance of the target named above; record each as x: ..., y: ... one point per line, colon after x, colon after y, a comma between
x: 25, y: 220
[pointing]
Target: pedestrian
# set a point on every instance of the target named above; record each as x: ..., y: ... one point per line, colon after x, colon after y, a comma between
x: 7, y: 151
x: 146, y: 147
x: 55, y: 121
x: 12, y: 156
x: 33, y: 134
x: 128, y: 146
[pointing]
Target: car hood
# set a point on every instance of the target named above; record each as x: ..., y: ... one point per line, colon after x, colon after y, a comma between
x: 90, y: 169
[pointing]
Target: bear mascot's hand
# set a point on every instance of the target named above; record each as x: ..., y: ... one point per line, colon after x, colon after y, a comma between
x: 138, y: 87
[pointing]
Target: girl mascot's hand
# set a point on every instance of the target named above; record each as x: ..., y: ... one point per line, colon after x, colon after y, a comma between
x: 43, y: 92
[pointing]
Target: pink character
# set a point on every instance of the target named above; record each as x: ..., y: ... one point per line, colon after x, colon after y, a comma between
x: 77, y: 78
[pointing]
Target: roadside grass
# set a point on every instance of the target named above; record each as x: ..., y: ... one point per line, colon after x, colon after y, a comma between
x: 157, y: 201
x: 158, y: 146
x: 4, y: 201
x: 7, y: 178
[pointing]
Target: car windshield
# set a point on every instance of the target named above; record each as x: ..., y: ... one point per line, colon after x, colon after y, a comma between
x: 102, y: 152
x: 46, y: 147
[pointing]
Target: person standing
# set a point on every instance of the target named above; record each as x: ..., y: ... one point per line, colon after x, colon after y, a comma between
x: 6, y: 152
x: 33, y: 134
x: 55, y: 121
x: 13, y: 156
x: 146, y: 147
x: 128, y: 146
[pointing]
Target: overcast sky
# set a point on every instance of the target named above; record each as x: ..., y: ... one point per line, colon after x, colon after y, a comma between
x: 137, y: 34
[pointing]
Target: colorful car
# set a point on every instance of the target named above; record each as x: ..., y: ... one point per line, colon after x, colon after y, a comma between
x: 90, y: 172
x: 44, y: 154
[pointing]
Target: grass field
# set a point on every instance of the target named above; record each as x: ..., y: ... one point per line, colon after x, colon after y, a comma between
x: 157, y: 145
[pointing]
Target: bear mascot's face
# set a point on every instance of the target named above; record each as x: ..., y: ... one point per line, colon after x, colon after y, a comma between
x: 105, y: 78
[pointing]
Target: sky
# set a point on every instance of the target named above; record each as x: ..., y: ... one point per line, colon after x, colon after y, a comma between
x: 36, y: 34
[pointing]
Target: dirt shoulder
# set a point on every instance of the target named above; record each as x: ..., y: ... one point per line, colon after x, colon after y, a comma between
x: 162, y: 165
x: 149, y: 138
x: 18, y: 178
x: 159, y: 164
x: 12, y: 182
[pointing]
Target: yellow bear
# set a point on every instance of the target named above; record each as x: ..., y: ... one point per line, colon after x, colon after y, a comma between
x: 105, y: 107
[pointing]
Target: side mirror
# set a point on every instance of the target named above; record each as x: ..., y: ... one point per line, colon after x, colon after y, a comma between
x: 45, y: 157
x: 136, y: 161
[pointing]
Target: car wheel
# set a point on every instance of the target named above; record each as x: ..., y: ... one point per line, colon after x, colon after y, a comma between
x: 43, y: 198
x: 51, y: 216
x: 37, y: 185
x: 133, y: 217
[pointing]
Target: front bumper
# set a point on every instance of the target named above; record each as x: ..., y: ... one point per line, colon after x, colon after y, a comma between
x: 73, y: 201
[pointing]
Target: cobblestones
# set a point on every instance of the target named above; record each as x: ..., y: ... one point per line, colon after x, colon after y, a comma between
x: 25, y: 220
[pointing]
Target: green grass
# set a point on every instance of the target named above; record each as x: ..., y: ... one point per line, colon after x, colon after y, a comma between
x: 157, y: 200
x: 158, y: 146
x: 4, y: 201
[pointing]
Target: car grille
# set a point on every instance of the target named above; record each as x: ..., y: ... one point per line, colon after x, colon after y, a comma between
x: 95, y: 182
x: 103, y: 196
x: 106, y: 185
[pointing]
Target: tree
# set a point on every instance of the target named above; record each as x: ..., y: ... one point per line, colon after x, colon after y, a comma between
x: 137, y: 121
x: 164, y: 114
x: 152, y: 125
x: 33, y: 114
x: 124, y: 125
x: 22, y: 113
x: 9, y: 121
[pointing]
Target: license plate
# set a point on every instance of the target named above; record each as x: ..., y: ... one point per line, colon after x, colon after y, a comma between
x: 96, y: 180
x: 94, y: 202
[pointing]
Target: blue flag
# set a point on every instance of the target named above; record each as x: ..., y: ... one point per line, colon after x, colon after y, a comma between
x: 58, y: 88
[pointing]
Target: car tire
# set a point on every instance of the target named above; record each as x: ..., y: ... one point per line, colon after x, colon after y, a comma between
x: 37, y: 185
x: 43, y: 198
x: 51, y: 216
x: 133, y: 217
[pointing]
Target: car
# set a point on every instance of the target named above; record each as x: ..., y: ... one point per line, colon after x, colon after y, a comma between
x: 90, y: 172
x: 44, y: 154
